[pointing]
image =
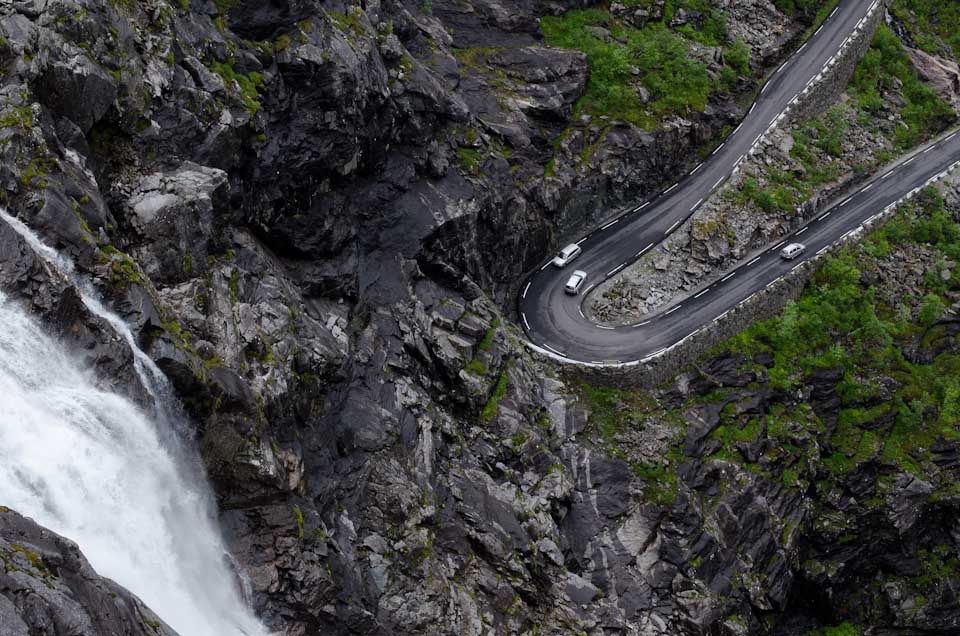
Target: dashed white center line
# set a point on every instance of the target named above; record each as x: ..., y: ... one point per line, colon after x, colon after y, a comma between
x: 673, y: 310
x: 525, y: 290
x: 757, y: 139
x: 753, y: 261
x: 802, y: 231
x: 673, y: 227
x: 728, y: 277
x: 641, y: 252
x: 696, y: 205
x: 611, y: 223
x: 825, y: 216
x: 703, y: 292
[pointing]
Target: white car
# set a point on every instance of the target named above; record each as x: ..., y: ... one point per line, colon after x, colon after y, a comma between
x: 566, y: 255
x: 792, y: 251
x: 575, y: 283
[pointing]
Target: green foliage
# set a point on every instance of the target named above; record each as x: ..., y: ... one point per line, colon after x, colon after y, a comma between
x: 933, y: 24
x: 931, y: 309
x: 350, y: 22
x: 299, y: 516
x: 885, y: 63
x: 492, y: 406
x: 469, y: 159
x: 659, y: 56
x: 247, y: 85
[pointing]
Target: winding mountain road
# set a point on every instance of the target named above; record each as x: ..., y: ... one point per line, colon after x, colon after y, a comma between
x: 554, y: 321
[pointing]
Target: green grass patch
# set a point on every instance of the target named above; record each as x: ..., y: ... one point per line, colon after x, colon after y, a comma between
x: 491, y: 408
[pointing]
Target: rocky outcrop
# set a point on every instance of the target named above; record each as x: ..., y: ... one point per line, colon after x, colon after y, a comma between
x: 48, y: 587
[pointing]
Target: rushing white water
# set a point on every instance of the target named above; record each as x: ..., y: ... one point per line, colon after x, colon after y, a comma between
x: 94, y: 467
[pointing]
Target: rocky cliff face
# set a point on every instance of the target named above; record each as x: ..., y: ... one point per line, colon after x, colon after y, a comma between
x: 308, y: 212
x: 47, y: 587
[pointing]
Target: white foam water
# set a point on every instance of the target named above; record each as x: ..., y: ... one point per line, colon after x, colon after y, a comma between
x: 93, y: 466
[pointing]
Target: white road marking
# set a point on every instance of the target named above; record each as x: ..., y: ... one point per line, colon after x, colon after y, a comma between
x: 611, y: 223
x: 604, y: 327
x: 642, y: 206
x: 673, y: 310
x: 728, y: 277
x: 777, y: 245
x: 823, y: 250
x: 673, y: 227
x: 546, y: 346
x: 802, y: 231
x: 928, y: 149
x: 765, y: 87
x: 671, y: 188
x: 545, y: 266
x: 752, y: 107
x: 703, y: 292
x: 694, y: 171
x: 717, y: 183
x: 526, y: 324
x: 783, y: 66
x: 642, y: 324
x: 818, y: 30
x: 886, y: 175
x: 803, y: 47
x: 825, y: 216
x: 616, y: 269
x: 719, y: 148
x: 753, y: 261
x: 844, y: 202
x: 582, y: 240
x: 909, y: 160
x: 773, y: 282
x: 641, y: 252
x: 580, y: 309
x: 723, y: 315
x: 798, y: 266
x: 950, y: 137
x: 832, y: 13
x: 525, y: 290
x: 696, y: 205
x: 866, y: 188
x: 737, y: 129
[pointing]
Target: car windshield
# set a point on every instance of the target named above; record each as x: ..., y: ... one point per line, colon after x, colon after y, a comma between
x: 574, y: 280
x: 566, y: 252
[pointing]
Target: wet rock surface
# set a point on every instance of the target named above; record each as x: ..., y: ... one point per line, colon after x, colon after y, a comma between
x: 48, y: 587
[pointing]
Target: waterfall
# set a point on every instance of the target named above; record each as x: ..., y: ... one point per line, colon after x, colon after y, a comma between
x: 94, y: 467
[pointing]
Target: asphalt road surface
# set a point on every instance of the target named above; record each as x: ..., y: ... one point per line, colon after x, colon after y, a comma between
x: 554, y: 321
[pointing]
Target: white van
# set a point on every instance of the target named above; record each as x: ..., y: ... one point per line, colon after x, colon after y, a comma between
x: 567, y: 254
x: 792, y: 251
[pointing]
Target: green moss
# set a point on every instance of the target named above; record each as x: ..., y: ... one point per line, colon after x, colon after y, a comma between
x: 350, y: 22
x: 469, y: 159
x: 492, y: 406
x: 299, y: 516
x: 247, y: 86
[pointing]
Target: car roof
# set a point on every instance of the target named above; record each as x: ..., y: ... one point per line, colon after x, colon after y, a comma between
x: 570, y: 248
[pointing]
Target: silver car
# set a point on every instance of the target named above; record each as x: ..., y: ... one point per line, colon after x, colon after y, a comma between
x: 792, y: 251
x: 566, y: 255
x: 575, y: 282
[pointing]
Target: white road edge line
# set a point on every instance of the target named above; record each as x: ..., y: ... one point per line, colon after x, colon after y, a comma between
x: 753, y: 261
x: 799, y: 232
x: 696, y: 205
x: 604, y: 327
x: 647, y: 322
x: 719, y: 148
x: 717, y: 183
x: 611, y: 223
x: 728, y: 277
x: 526, y: 324
x: 545, y: 266
x: 525, y: 290
x: 777, y: 245
x: 641, y: 252
x: 673, y: 310
x: 671, y: 188
x: 703, y: 292
x: 694, y: 171
x: 673, y: 227
x: 616, y: 269
x: 825, y: 216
